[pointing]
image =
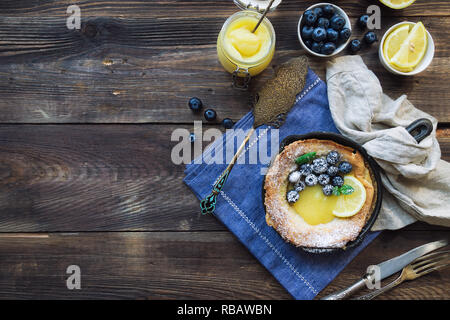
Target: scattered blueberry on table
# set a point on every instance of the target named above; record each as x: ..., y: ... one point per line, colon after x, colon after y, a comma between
x: 362, y: 21
x: 227, y: 123
x: 355, y: 46
x: 192, y: 137
x: 370, y: 37
x: 210, y: 115
x: 195, y: 104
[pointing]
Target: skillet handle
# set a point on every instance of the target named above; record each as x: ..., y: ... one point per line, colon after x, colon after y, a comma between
x: 420, y: 129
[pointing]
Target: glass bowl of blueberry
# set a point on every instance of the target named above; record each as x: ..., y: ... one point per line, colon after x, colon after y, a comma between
x: 324, y: 30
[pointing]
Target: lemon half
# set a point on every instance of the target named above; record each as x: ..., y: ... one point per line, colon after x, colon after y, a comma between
x: 397, y: 4
x: 349, y: 205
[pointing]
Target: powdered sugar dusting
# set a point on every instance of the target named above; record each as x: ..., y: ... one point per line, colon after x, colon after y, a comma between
x: 284, y: 218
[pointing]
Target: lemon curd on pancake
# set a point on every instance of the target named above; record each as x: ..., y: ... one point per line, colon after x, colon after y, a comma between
x: 314, y: 217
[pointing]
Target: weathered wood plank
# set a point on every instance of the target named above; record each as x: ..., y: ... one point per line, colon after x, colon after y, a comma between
x: 144, y: 70
x: 207, y: 8
x: 176, y: 265
x: 97, y: 177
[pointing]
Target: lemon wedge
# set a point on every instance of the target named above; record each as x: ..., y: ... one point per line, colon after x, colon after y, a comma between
x: 349, y: 205
x: 394, y: 41
x: 397, y: 4
x: 413, y: 48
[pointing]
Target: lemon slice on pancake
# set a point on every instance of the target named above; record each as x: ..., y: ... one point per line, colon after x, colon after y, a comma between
x: 349, y: 205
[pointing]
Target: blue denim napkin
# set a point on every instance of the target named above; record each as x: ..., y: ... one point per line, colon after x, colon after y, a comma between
x: 240, y: 204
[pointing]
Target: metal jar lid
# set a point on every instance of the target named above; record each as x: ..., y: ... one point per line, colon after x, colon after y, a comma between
x: 256, y: 5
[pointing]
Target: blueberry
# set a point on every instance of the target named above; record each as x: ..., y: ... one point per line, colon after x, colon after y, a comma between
x: 307, y: 32
x: 345, y: 34
x: 319, y: 165
x: 328, y: 11
x: 333, y: 157
x: 311, y: 180
x: 195, y: 104
x: 345, y: 167
x: 192, y: 137
x: 337, y: 181
x: 328, y: 48
x: 306, y: 169
x: 370, y: 37
x: 319, y: 34
x: 337, y: 22
x: 362, y: 21
x: 310, y: 17
x: 332, y: 35
x: 299, y: 186
x: 355, y: 46
x: 332, y: 171
x: 318, y: 11
x: 294, y: 176
x: 323, y: 22
x: 292, y: 196
x: 210, y: 115
x: 316, y: 46
x: 327, y: 190
x: 308, y: 43
x: 227, y: 123
x: 323, y: 179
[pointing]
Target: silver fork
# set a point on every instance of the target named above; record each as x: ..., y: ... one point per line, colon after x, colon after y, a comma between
x: 421, y: 266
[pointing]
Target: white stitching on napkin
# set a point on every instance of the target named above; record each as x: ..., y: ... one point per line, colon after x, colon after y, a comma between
x: 253, y: 142
x: 267, y: 241
x: 308, y: 89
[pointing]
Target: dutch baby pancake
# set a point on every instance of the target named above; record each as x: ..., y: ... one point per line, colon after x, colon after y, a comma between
x: 319, y: 194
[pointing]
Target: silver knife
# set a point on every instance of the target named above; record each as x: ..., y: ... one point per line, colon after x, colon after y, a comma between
x: 388, y: 268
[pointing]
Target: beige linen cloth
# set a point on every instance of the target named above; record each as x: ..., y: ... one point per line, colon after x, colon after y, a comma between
x: 415, y: 179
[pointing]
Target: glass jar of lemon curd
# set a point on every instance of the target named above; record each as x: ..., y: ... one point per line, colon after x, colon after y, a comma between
x: 242, y: 53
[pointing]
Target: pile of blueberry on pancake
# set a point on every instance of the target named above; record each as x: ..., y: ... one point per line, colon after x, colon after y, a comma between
x: 327, y: 171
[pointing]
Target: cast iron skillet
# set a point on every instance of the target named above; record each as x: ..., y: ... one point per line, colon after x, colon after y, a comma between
x: 419, y: 129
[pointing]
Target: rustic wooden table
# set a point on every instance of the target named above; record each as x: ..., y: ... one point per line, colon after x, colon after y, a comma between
x: 85, y: 171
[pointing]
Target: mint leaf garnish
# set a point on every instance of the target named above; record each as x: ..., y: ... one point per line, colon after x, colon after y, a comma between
x: 336, y: 191
x: 307, y: 157
x: 344, y: 190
